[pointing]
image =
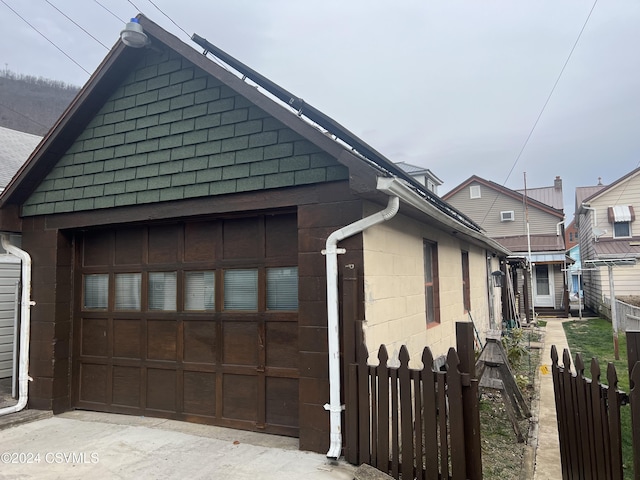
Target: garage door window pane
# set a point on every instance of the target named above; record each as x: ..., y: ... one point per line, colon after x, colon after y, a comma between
x: 199, y: 291
x: 241, y: 290
x: 282, y: 288
x: 128, y: 291
x: 162, y: 291
x: 96, y: 291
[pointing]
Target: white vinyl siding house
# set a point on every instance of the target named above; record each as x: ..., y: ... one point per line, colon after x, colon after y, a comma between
x: 608, y: 229
x: 504, y: 214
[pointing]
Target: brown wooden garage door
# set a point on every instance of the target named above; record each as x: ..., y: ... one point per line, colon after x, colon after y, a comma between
x: 194, y: 321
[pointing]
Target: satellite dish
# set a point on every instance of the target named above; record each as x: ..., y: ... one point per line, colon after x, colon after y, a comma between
x: 598, y: 232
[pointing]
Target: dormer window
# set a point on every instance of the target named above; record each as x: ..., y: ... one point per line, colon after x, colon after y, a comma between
x: 507, y: 216
x: 621, y: 217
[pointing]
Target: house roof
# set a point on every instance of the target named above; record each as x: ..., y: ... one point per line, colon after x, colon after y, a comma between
x: 334, y: 139
x: 616, y: 248
x: 604, y: 188
x: 548, y: 195
x: 15, y: 148
x: 416, y: 170
x: 583, y: 193
x: 532, y: 201
x: 539, y: 243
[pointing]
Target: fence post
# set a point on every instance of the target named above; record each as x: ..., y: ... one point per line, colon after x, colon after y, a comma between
x: 350, y: 324
x: 470, y: 399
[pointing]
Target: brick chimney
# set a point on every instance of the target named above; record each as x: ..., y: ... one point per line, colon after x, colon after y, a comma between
x: 557, y: 183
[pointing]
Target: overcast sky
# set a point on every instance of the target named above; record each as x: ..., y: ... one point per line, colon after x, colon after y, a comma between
x: 454, y: 86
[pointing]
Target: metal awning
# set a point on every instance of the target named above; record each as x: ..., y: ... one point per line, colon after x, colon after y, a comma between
x: 550, y: 258
x: 610, y: 262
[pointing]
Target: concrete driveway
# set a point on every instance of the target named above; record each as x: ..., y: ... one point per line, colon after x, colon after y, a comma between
x: 99, y: 445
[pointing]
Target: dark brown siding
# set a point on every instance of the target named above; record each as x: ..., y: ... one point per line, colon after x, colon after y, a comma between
x: 51, y: 254
x: 315, y: 223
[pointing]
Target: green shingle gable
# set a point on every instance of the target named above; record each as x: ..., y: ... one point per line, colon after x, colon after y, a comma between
x: 172, y: 132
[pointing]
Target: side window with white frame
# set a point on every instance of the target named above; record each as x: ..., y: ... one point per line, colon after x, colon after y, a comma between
x: 474, y: 191
x: 507, y: 216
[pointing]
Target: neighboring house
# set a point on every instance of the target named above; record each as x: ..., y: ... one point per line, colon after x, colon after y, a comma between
x: 15, y: 148
x: 177, y: 219
x: 504, y: 214
x: 575, y: 273
x: 423, y: 175
x: 609, y: 234
x: 571, y: 235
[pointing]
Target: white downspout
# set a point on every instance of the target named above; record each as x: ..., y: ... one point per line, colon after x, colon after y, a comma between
x: 331, y: 252
x: 25, y: 326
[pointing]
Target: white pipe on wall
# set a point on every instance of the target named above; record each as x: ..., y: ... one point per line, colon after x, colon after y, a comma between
x: 331, y: 252
x: 25, y: 326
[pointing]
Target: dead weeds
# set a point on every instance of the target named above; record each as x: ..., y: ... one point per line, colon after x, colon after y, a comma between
x: 503, y: 457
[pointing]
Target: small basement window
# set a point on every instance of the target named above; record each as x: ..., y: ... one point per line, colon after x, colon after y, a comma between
x: 507, y: 216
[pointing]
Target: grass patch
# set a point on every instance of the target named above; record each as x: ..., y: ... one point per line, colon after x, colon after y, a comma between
x: 593, y: 338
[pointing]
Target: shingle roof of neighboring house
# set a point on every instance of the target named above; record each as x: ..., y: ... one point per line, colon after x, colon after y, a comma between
x: 416, y: 170
x: 15, y: 148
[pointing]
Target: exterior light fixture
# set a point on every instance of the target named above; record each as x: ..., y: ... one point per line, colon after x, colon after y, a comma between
x: 498, y: 278
x: 133, y: 35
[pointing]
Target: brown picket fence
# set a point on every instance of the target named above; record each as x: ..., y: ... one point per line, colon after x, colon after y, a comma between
x: 416, y: 423
x: 588, y: 415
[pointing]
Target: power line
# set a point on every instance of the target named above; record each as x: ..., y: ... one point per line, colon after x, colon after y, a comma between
x: 116, y: 17
x: 23, y: 115
x: 134, y: 6
x: 170, y: 19
x: 553, y: 89
x: 45, y: 37
x: 77, y: 25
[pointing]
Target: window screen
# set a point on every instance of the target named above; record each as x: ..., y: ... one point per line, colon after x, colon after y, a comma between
x: 282, y: 288
x: 241, y: 289
x: 199, y: 291
x: 162, y: 291
x: 96, y: 291
x: 127, y: 291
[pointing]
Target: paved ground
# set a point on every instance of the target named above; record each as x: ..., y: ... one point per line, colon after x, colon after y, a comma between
x: 98, y: 445
x: 80, y: 445
x: 547, y: 457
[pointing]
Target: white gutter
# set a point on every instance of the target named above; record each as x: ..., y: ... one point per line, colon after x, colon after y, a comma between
x: 395, y: 186
x: 595, y: 217
x: 331, y: 252
x: 25, y: 326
